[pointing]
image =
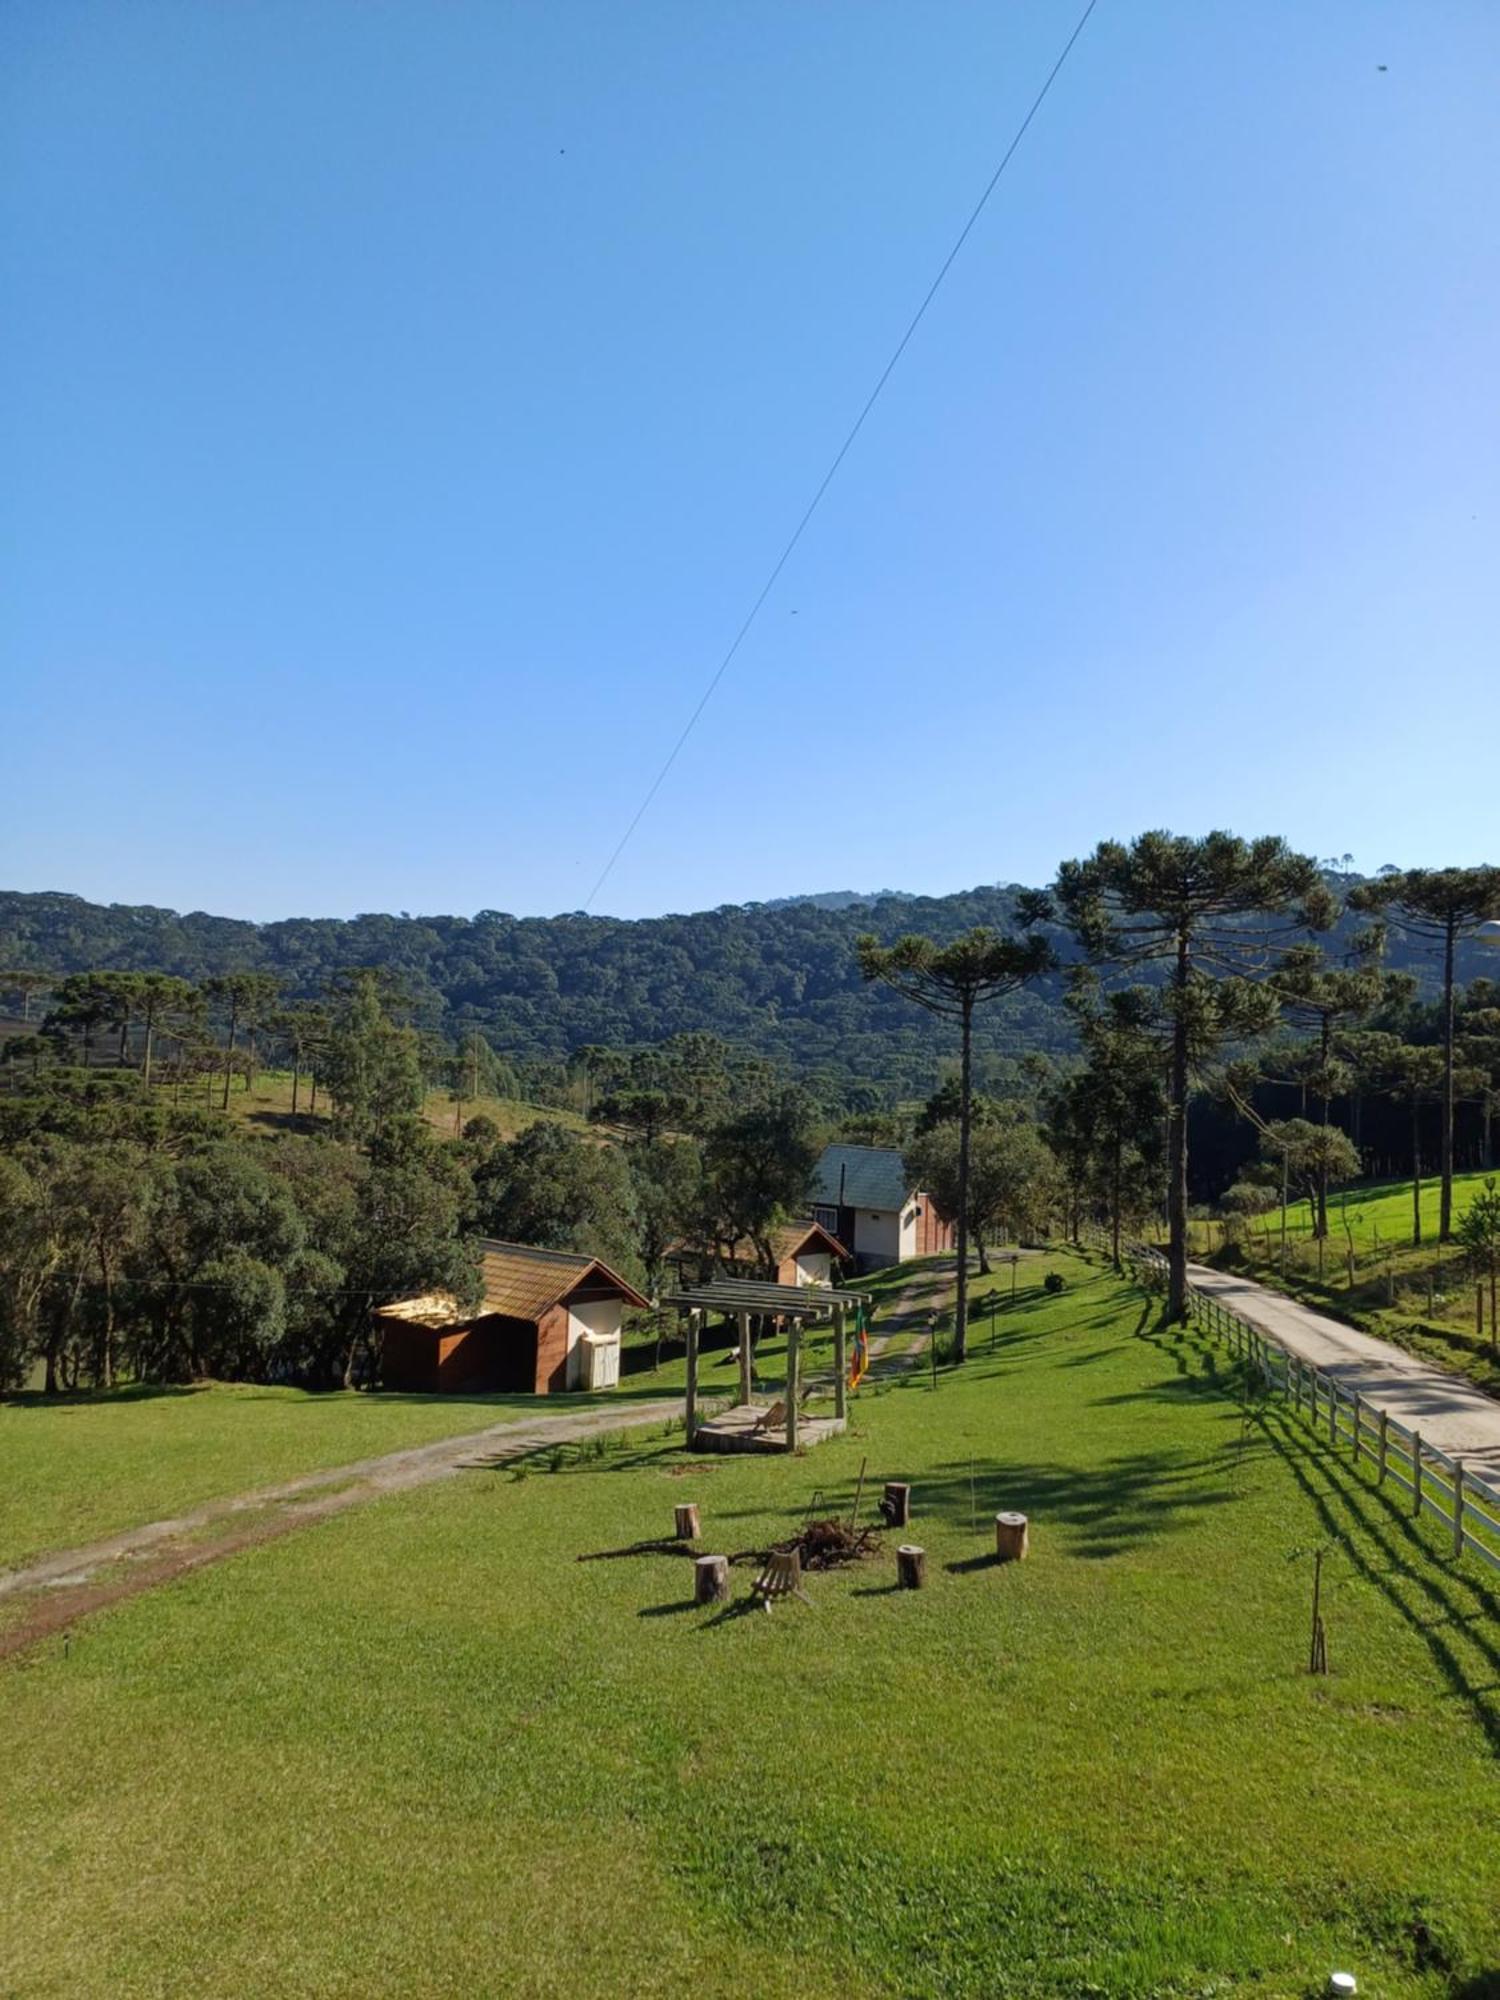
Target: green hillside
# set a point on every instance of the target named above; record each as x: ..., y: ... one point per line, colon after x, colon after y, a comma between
x: 779, y: 978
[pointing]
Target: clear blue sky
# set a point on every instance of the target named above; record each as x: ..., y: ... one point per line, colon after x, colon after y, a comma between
x: 403, y: 403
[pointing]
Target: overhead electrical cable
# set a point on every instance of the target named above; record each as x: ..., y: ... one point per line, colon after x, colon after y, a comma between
x: 842, y: 453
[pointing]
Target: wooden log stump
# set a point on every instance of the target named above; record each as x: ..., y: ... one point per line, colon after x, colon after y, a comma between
x: 711, y: 1580
x: 911, y: 1566
x: 896, y: 1504
x: 1011, y: 1537
x: 687, y: 1523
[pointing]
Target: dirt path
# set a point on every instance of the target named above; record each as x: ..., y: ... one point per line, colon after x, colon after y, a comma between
x: 914, y: 1307
x: 1451, y: 1413
x: 55, y: 1590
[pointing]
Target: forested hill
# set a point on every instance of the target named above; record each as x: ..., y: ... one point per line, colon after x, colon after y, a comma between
x: 779, y: 977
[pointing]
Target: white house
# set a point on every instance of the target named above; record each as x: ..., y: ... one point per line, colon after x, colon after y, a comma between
x: 866, y: 1197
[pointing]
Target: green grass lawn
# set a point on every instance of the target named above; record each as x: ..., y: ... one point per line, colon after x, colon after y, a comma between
x: 423, y: 1750
x: 1371, y: 1274
x: 1378, y: 1213
x: 78, y: 1468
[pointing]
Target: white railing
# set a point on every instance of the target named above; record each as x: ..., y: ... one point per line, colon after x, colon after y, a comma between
x: 1468, y: 1506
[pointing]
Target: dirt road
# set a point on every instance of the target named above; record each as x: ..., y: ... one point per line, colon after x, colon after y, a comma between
x: 1451, y: 1413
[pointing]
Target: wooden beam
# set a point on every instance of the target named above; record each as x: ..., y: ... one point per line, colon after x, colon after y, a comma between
x: 840, y: 1365
x: 692, y: 1379
x: 793, y: 1370
x: 742, y: 1320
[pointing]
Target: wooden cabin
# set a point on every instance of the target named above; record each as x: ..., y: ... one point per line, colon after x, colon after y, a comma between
x: 803, y: 1253
x: 548, y: 1321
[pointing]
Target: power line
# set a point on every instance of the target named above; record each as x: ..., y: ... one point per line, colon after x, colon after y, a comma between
x: 841, y: 454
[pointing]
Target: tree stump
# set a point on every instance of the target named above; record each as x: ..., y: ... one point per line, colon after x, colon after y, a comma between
x: 687, y: 1523
x: 911, y: 1566
x: 711, y: 1580
x: 895, y: 1505
x: 1010, y: 1537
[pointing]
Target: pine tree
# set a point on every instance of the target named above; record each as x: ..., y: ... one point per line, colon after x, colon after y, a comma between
x: 952, y: 980
x: 1217, y: 911
x: 1442, y: 907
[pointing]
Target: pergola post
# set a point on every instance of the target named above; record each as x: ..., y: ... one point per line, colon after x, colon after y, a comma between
x: 743, y: 1320
x: 691, y: 1412
x: 840, y: 1365
x: 793, y: 1370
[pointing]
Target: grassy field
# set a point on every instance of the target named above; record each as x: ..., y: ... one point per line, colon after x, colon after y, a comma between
x: 266, y: 1105
x: 79, y: 1468
x: 1370, y: 1273
x: 424, y: 1750
x: 1378, y: 1215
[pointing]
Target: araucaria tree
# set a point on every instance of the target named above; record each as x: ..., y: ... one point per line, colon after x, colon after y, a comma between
x: 1441, y: 906
x: 951, y: 980
x: 1104, y: 1122
x: 1329, y: 999
x: 1479, y: 1233
x: 1216, y: 912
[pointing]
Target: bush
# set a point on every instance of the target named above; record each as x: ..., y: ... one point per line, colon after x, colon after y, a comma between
x: 1054, y: 1282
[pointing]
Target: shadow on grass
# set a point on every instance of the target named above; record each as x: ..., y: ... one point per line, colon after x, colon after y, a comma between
x: 1106, y: 1508
x: 659, y: 1547
x: 102, y: 1399
x: 971, y: 1564
x: 1382, y: 1544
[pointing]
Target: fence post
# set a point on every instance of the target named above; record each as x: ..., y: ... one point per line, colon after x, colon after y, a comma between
x: 1333, y: 1411
x: 1416, y: 1472
x: 1458, y: 1508
x: 1354, y: 1453
x: 1384, y: 1441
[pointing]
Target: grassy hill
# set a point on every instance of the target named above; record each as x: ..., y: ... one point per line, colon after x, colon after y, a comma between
x: 266, y: 1106
x: 423, y: 1749
x: 1371, y: 1274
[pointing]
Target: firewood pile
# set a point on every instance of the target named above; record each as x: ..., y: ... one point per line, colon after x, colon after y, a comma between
x: 831, y: 1544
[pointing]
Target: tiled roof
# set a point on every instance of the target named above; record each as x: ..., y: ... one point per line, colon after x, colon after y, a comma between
x: 789, y: 1239
x: 518, y: 1281
x: 786, y: 1239
x: 860, y: 1177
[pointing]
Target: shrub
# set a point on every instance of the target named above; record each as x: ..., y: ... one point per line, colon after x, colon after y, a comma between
x: 1054, y: 1282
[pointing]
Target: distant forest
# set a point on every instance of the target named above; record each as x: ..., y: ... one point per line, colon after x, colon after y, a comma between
x: 779, y: 978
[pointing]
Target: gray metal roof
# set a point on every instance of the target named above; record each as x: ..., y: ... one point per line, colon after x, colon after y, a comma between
x: 861, y: 1177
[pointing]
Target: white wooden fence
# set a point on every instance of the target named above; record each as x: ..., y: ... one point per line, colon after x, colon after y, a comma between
x: 1468, y: 1506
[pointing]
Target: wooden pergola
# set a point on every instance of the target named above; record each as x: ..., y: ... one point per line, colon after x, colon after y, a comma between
x: 743, y: 1299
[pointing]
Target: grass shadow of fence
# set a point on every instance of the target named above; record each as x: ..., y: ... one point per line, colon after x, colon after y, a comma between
x: 1362, y: 1518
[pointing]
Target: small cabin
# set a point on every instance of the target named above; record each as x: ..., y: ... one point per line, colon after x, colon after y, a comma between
x: 802, y: 1253
x: 869, y: 1199
x: 548, y: 1321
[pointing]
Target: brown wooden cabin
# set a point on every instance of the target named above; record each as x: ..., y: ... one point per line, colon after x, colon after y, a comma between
x: 805, y: 1253
x: 548, y: 1321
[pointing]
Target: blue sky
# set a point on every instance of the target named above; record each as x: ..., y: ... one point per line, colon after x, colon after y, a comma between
x: 403, y: 405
